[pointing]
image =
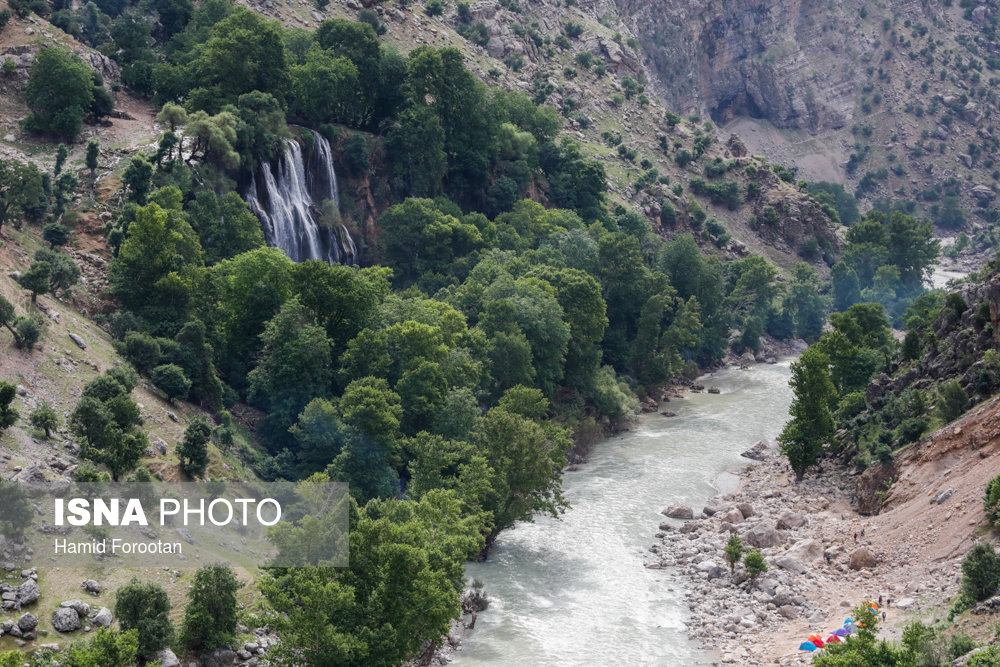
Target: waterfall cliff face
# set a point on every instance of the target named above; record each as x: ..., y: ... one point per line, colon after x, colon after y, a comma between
x: 287, y: 193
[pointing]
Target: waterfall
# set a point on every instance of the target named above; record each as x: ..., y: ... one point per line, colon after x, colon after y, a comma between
x: 286, y: 195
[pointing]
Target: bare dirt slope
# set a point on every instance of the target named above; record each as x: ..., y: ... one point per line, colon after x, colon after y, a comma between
x: 824, y: 558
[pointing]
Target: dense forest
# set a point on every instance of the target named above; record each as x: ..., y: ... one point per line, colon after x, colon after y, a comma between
x: 505, y: 313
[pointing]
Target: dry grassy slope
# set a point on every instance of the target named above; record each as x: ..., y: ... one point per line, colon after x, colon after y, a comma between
x: 56, y: 373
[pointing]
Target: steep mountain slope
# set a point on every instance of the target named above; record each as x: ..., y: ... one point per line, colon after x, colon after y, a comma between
x: 893, y: 99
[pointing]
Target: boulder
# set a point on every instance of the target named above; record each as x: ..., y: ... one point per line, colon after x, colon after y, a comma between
x: 79, y: 341
x: 222, y: 657
x: 905, y: 603
x: 788, y: 611
x: 863, y: 558
x: 65, y: 619
x: 732, y: 516
x: 790, y: 564
x: 746, y: 509
x: 79, y: 606
x: 91, y: 586
x: 762, y: 536
x: 942, y: 496
x: 679, y: 512
x: 27, y: 622
x: 103, y: 618
x: 807, y: 552
x: 712, y: 509
x: 28, y: 592
x: 789, y: 520
x: 758, y: 452
x: 167, y: 658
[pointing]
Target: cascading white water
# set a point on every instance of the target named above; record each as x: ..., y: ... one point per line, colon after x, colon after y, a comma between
x: 287, y: 193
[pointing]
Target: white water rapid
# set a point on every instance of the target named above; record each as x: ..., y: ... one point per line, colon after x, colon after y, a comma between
x: 574, y: 592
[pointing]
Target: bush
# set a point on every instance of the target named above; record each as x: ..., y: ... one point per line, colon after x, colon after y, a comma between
x: 434, y: 8
x: 981, y: 571
x: 28, y: 332
x: 755, y: 564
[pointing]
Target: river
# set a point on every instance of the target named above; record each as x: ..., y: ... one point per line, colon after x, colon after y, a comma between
x: 574, y: 591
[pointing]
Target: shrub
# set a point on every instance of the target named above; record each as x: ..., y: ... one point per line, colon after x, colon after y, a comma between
x: 991, y: 500
x: 755, y: 564
x: 951, y: 400
x: 28, y: 332
x: 981, y: 571
x: 734, y: 550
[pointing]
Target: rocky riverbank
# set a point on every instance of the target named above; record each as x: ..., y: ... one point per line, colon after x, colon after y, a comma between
x: 817, y: 569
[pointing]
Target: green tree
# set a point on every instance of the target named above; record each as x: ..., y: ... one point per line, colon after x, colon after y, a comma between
x: 170, y: 379
x: 65, y: 272
x: 525, y: 458
x: 193, y: 449
x: 225, y: 225
x: 326, y: 88
x: 294, y: 367
x: 55, y: 235
x: 137, y: 179
x: 22, y: 189
x: 319, y: 434
x: 153, y: 272
x: 37, y: 279
x: 805, y: 303
x: 991, y: 500
x: 145, y: 608
x: 210, y: 615
x: 93, y: 153
x: 142, y: 350
x: 734, y: 551
x: 845, y: 286
x: 106, y: 419
x: 755, y: 564
x: 61, y: 154
x: 59, y: 92
x: 981, y: 571
x: 17, y: 510
x: 8, y: 415
x: 811, y: 424
x: 386, y: 606
x: 245, y: 53
x: 28, y: 332
x: 951, y: 400
x: 173, y: 115
x: 44, y: 418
